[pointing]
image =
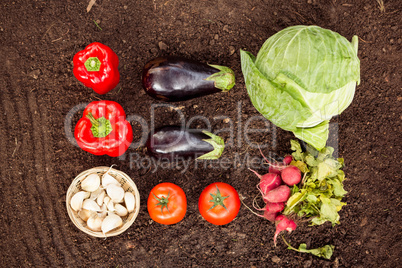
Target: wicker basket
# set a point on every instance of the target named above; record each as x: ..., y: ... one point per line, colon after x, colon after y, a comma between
x: 127, y: 184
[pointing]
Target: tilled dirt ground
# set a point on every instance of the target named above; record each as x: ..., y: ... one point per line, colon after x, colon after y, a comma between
x: 41, y: 101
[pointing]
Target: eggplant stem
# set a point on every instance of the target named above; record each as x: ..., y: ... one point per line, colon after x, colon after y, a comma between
x: 217, y: 142
x: 223, y: 80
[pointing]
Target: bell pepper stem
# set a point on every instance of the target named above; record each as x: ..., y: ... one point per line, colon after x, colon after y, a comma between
x: 92, y: 119
x: 92, y: 64
x: 101, y: 127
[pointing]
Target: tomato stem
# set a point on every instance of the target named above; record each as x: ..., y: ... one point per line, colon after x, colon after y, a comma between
x: 217, y: 199
x: 163, y: 202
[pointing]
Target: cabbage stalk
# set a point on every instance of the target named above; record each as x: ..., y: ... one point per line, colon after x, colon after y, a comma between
x: 301, y: 78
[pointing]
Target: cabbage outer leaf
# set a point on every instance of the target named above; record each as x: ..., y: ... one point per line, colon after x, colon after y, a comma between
x: 323, y: 106
x: 317, y: 59
x: 276, y: 105
x: 316, y: 136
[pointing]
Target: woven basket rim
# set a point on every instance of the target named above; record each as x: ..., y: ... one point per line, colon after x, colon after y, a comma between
x: 79, y: 222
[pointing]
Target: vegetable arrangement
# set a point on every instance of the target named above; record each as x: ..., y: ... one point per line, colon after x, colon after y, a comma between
x: 301, y: 78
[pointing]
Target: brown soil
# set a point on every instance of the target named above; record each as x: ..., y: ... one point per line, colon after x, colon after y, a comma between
x: 38, y: 40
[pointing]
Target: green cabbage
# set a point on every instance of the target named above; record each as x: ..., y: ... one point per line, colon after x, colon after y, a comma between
x: 301, y: 78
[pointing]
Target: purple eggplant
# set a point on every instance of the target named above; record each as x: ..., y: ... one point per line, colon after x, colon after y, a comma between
x: 173, y: 142
x: 177, y: 79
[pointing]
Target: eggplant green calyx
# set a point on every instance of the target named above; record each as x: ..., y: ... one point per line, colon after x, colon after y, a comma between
x: 101, y: 127
x: 92, y: 64
x: 218, y: 199
x: 223, y: 80
x: 217, y: 142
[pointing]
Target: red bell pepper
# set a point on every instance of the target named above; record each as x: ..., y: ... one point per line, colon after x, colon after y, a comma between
x: 103, y: 129
x: 97, y: 67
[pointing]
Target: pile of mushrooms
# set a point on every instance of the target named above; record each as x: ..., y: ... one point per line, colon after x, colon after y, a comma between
x: 102, y: 202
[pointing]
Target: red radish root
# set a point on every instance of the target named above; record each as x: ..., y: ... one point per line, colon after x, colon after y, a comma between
x: 268, y: 182
x: 279, y: 194
x: 275, y: 195
x: 271, y: 216
x: 275, y: 169
x: 267, y: 214
x: 272, y: 210
x: 275, y: 207
x: 287, y: 160
x: 274, y: 166
x: 283, y: 224
x: 291, y: 175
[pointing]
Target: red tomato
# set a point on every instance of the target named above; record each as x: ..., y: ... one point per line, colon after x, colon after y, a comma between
x: 167, y: 203
x: 219, y: 203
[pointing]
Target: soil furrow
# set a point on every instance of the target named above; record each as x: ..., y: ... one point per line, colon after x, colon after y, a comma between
x: 44, y: 162
x: 35, y: 183
x: 29, y: 196
x: 6, y: 189
x: 16, y: 191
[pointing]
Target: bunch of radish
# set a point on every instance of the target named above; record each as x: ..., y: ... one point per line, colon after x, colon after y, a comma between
x: 275, y: 191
